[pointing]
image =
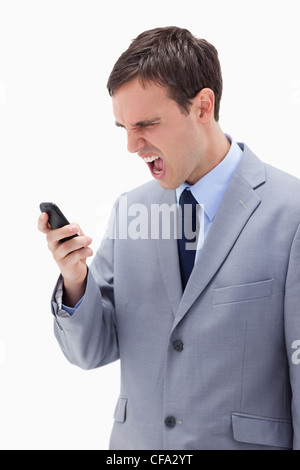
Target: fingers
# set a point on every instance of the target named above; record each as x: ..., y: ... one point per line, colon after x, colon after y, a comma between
x: 70, y: 255
x: 79, y: 244
x: 43, y: 225
x: 54, y: 236
x: 75, y: 256
x: 70, y: 252
x: 80, y: 232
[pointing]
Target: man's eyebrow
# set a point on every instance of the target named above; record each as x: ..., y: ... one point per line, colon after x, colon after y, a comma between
x: 144, y: 123
x: 119, y: 125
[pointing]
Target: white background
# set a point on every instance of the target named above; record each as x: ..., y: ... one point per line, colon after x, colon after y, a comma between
x: 58, y: 142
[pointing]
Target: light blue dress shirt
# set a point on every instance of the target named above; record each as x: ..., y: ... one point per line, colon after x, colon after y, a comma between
x: 208, y: 192
x: 210, y: 189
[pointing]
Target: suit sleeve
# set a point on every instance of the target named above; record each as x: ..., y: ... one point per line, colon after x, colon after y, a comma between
x: 292, y: 331
x: 88, y: 338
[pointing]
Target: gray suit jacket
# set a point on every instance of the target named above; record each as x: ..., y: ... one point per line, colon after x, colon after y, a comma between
x: 220, y: 361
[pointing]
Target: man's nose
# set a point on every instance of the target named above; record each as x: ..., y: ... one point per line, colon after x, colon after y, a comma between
x: 135, y: 142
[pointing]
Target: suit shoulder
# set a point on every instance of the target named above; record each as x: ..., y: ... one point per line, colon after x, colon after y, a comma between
x: 288, y: 184
x: 257, y: 172
x: 282, y: 191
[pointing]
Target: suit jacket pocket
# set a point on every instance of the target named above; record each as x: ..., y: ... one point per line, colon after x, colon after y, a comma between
x: 253, y: 429
x: 242, y: 292
x: 120, y: 411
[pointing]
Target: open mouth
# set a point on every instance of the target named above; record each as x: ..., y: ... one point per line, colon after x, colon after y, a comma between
x: 155, y: 164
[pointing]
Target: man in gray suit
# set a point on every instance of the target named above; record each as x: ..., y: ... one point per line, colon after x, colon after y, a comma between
x: 208, y: 336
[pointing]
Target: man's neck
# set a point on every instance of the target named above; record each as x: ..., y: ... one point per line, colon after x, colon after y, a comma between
x: 216, y: 150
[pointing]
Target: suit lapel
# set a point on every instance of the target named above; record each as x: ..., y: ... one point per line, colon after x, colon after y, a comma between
x: 168, y: 257
x: 237, y: 206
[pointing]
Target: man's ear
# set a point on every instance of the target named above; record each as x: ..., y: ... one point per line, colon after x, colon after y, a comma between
x: 204, y: 103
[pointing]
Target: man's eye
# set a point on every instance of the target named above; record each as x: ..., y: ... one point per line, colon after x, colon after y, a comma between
x: 150, y: 124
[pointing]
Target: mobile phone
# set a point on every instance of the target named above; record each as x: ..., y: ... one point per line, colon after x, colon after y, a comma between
x: 56, y: 217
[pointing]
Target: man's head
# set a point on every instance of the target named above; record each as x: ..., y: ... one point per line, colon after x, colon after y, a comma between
x: 174, y: 58
x: 166, y: 90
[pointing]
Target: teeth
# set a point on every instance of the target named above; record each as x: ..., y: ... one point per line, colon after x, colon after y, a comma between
x: 150, y: 159
x: 156, y: 171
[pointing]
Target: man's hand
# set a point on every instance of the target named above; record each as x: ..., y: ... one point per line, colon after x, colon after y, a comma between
x: 70, y: 257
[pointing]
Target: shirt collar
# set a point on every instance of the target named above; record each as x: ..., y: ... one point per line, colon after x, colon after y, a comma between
x: 210, y: 189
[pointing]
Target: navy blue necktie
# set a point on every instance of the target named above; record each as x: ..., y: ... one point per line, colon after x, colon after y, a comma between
x: 188, y: 234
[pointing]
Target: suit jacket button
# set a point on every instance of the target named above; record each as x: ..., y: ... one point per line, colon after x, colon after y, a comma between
x: 178, y: 345
x: 170, y: 421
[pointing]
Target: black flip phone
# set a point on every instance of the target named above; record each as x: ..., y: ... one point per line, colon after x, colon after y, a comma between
x: 56, y: 217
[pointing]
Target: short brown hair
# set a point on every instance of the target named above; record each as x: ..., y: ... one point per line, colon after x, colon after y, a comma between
x: 174, y: 58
